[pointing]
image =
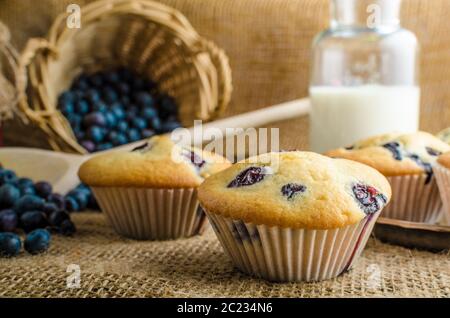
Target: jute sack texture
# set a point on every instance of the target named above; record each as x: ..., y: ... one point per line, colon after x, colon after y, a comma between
x: 268, y: 44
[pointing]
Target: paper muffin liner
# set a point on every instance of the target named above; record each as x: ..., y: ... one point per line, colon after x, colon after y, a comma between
x: 415, y: 198
x: 152, y: 214
x: 286, y: 254
x: 443, y: 182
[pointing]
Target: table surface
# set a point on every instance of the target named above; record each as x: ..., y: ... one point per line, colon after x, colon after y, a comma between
x: 112, y: 266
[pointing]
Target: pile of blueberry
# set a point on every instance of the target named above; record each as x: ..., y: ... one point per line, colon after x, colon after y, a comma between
x: 34, y: 208
x: 111, y: 108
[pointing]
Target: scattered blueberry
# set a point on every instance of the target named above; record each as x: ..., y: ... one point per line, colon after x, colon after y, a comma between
x: 32, y: 220
x: 71, y: 204
x: 94, y: 119
x: 9, y: 244
x: 50, y: 207
x: 43, y: 189
x: 57, y: 199
x: 7, y: 176
x: 28, y: 202
x: 37, y: 241
x: 96, y: 134
x: 67, y: 228
x: 133, y: 135
x: 81, y: 197
x: 57, y: 217
x: 9, y: 194
x: 8, y: 220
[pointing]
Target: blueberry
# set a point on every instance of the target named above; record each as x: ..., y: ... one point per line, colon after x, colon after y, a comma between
x: 104, y: 146
x: 144, y: 99
x: 67, y: 228
x: 369, y: 199
x: 125, y: 100
x: 66, y: 96
x: 24, y: 190
x: 96, y: 79
x: 81, y: 83
x: 118, y: 111
x: 122, y: 126
x: 291, y: 189
x: 26, y: 182
x: 57, y: 199
x: 120, y: 139
x: 43, y: 189
x: 67, y: 108
x: 394, y: 148
x: 32, y: 220
x: 147, y: 133
x: 88, y: 145
x: 82, y: 107
x: 133, y: 135
x: 28, y: 202
x: 93, y: 96
x: 50, y: 207
x: 7, y: 176
x: 74, y: 120
x: 149, y: 112
x: 110, y: 119
x: 10, y: 244
x: 94, y: 119
x: 8, y: 220
x: 95, y: 134
x: 9, y: 194
x: 37, y: 241
x: 92, y: 203
x: 139, y: 123
x: 123, y: 88
x: 71, y: 204
x: 80, y: 135
x: 112, y: 135
x: 81, y: 197
x: 167, y: 106
x: 248, y: 177
x: 130, y: 115
x: 110, y: 95
x: 111, y: 77
x: 169, y: 126
x: 57, y: 217
x: 155, y: 124
x: 99, y: 107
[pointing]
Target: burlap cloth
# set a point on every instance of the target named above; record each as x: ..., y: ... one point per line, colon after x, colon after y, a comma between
x: 268, y: 44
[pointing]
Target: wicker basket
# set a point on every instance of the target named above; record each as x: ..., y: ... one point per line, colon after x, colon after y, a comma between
x: 145, y: 36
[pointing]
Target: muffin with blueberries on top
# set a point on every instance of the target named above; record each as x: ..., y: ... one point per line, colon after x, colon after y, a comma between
x: 294, y: 216
x: 150, y: 192
x: 407, y: 161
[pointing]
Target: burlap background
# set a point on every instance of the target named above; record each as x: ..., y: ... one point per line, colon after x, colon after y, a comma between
x: 268, y: 44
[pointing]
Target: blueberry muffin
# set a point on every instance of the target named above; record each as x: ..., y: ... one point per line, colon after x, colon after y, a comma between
x: 294, y: 216
x: 150, y: 192
x: 407, y: 160
x: 442, y: 172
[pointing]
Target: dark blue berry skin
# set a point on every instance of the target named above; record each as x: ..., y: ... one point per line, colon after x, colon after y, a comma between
x: 118, y: 111
x: 10, y: 244
x: 169, y: 126
x: 8, y: 220
x: 57, y: 199
x: 93, y: 96
x: 123, y: 88
x: 79, y: 134
x: 71, y: 204
x: 112, y: 135
x: 92, y: 203
x: 167, y: 106
x: 81, y: 83
x: 67, y: 228
x: 88, y: 145
x: 37, y: 241
x: 43, y: 189
x: 32, y: 220
x: 49, y: 208
x: 110, y: 119
x: 369, y: 199
x: 147, y: 133
x: 248, y: 177
x: 67, y: 96
x: 7, y: 176
x: 144, y: 99
x: 122, y: 126
x: 111, y: 77
x: 96, y: 80
x: 67, y: 108
x: 82, y: 107
x: 155, y: 124
x: 24, y: 190
x: 94, y: 119
x: 104, y: 146
x: 120, y: 139
x: 139, y: 123
x: 291, y: 189
x: 133, y: 135
x: 57, y: 217
x: 394, y: 148
x: 80, y: 196
x: 74, y: 120
x: 25, y: 182
x: 99, y: 107
x: 9, y: 194
x: 149, y: 113
x: 28, y: 202
x: 95, y: 134
x: 110, y: 95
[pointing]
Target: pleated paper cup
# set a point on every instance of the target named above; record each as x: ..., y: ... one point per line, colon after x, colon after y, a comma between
x: 287, y: 255
x: 415, y: 198
x: 152, y: 214
x: 443, y: 181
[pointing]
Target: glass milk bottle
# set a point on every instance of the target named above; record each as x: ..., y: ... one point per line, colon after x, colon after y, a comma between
x: 364, y: 78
